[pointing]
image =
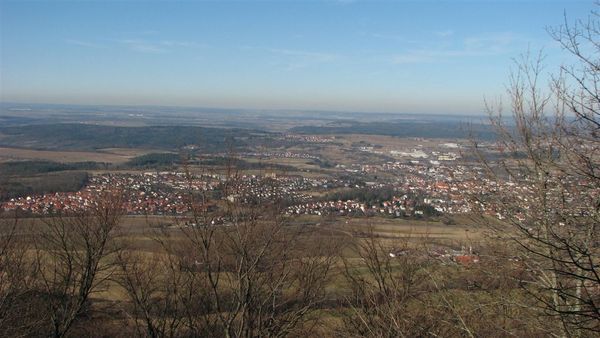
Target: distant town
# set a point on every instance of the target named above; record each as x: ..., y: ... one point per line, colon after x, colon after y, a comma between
x: 419, y: 182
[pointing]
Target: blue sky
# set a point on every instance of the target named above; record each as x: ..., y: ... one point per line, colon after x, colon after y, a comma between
x: 401, y: 56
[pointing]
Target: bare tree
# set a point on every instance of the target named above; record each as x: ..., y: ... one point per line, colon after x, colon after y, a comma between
x: 386, y: 284
x: 158, y: 290
x: 551, y: 158
x: 73, y: 252
x: 234, y: 268
x: 260, y: 280
x: 400, y: 288
x: 18, y: 273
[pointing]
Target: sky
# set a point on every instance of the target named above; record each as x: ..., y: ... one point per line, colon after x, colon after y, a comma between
x: 441, y: 57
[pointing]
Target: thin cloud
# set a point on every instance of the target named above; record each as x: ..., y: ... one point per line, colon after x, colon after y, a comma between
x: 186, y: 44
x: 394, y: 37
x: 298, y: 59
x: 307, y: 55
x: 484, y: 45
x: 413, y: 57
x: 428, y: 56
x: 494, y: 43
x: 156, y: 47
x: 142, y: 46
x: 82, y: 43
x: 445, y: 33
x: 138, y: 45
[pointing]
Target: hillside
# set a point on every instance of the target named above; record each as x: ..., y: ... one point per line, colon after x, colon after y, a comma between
x: 429, y: 129
x: 91, y: 137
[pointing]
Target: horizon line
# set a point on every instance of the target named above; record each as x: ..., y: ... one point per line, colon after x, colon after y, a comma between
x: 294, y: 110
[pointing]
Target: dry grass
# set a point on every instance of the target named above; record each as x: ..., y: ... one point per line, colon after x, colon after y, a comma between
x: 130, y: 152
x: 138, y: 231
x: 109, y: 155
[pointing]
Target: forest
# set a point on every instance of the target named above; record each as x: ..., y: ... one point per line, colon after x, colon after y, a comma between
x: 69, y: 136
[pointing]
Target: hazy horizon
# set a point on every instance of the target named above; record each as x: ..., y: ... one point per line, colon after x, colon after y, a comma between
x: 22, y: 106
x: 402, y: 57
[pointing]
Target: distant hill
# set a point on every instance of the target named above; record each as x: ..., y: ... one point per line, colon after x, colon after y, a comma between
x: 429, y: 129
x: 91, y: 137
x: 28, y: 168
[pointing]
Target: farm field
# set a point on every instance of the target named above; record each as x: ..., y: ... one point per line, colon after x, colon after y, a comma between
x: 11, y: 154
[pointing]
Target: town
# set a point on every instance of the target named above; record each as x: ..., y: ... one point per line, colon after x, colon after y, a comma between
x: 411, y: 186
